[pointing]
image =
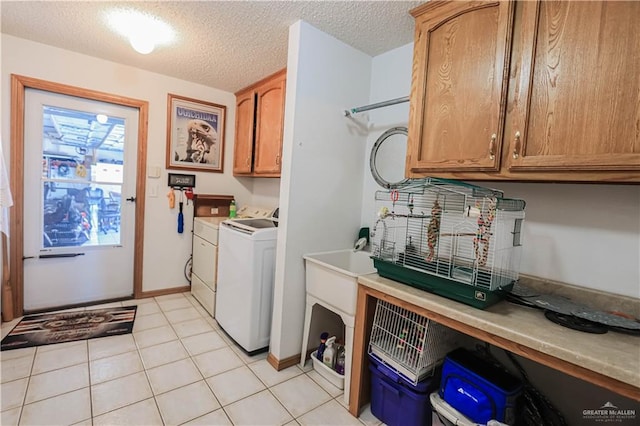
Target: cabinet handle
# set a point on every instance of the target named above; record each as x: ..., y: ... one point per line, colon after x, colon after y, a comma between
x: 248, y: 161
x: 278, y: 159
x: 492, y: 146
x: 516, y: 146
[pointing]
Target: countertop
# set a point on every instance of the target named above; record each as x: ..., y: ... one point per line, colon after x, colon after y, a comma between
x: 213, y: 221
x: 614, y: 355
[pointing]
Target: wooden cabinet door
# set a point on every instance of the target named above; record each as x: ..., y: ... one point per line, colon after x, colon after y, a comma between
x: 269, y: 126
x: 243, y: 144
x: 576, y: 106
x: 459, y: 86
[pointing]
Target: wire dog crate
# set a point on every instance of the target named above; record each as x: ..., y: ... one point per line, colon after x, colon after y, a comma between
x: 411, y: 344
x: 451, y: 238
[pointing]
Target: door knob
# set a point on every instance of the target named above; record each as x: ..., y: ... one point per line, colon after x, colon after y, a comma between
x: 132, y: 199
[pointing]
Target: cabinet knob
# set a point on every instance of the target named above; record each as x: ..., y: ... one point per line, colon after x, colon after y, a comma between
x: 492, y: 146
x: 516, y: 146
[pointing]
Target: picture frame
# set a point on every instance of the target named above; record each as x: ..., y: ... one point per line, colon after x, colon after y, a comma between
x: 195, y: 134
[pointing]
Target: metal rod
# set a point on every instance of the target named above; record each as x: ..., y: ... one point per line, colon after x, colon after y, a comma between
x: 348, y: 112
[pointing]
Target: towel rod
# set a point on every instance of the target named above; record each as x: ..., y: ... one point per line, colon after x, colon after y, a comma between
x: 348, y: 112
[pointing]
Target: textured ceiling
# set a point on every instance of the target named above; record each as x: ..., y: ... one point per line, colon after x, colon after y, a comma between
x: 223, y: 44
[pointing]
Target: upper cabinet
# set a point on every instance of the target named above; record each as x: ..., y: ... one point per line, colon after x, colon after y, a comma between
x: 459, y: 84
x: 243, y: 143
x: 259, y: 125
x: 545, y: 91
x: 576, y: 104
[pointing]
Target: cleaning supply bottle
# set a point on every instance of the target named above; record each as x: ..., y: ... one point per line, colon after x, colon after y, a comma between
x: 329, y: 356
x: 340, y: 359
x: 232, y: 208
x: 323, y: 345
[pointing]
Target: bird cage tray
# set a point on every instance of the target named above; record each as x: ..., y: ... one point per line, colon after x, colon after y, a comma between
x: 477, y: 297
x: 450, y: 238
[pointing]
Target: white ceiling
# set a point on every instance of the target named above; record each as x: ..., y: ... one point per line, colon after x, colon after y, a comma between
x: 223, y: 44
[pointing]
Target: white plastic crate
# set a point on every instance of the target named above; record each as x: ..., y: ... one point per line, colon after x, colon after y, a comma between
x: 409, y: 343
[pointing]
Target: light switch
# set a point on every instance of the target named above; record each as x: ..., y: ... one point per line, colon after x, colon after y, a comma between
x: 153, y: 190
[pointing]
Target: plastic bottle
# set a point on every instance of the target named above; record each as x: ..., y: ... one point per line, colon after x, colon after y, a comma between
x: 323, y: 345
x: 329, y: 356
x: 232, y: 208
x: 340, y: 360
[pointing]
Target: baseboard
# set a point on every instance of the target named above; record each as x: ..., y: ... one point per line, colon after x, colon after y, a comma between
x: 75, y: 305
x: 282, y: 364
x: 143, y: 295
x: 163, y: 292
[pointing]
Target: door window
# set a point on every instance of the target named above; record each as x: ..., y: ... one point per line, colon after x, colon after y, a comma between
x: 82, y: 178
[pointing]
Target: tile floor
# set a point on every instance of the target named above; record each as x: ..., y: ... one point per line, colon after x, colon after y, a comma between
x: 177, y: 367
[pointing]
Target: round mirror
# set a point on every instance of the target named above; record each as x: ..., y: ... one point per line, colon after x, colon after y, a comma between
x: 388, y: 157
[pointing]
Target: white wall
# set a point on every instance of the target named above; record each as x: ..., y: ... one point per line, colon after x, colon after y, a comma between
x: 165, y: 251
x: 265, y: 192
x: 581, y: 234
x: 390, y: 79
x: 320, y: 192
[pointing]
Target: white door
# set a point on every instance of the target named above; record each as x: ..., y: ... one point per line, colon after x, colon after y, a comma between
x: 79, y: 169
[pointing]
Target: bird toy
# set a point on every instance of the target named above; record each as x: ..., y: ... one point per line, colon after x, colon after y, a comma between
x: 433, y: 229
x: 395, y: 195
x: 402, y: 339
x: 483, y: 234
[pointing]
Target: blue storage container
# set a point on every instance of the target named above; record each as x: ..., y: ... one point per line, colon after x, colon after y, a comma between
x: 478, y: 389
x: 396, y: 401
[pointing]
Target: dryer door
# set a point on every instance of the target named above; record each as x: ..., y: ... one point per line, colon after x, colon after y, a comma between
x: 204, y: 261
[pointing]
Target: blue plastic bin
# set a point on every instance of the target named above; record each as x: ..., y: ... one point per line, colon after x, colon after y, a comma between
x: 397, y: 402
x: 479, y: 390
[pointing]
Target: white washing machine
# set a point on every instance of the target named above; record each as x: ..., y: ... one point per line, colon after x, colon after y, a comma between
x: 246, y: 274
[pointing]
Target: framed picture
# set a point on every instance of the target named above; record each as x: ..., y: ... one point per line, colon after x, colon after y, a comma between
x: 195, y: 134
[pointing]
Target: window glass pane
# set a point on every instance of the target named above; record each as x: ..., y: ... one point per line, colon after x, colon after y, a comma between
x: 82, y: 177
x: 76, y: 215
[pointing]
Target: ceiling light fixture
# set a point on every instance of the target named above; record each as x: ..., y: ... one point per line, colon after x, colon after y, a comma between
x: 142, y: 44
x: 144, y: 32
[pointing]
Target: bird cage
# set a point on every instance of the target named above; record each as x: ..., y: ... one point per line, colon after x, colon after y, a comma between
x: 409, y: 343
x: 454, y: 239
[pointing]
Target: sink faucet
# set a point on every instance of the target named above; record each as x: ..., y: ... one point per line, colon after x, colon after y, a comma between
x: 360, y: 244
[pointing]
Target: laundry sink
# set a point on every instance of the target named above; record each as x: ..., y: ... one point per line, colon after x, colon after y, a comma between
x: 332, y: 276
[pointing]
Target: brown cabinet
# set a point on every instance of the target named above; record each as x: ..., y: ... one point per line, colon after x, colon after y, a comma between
x: 544, y: 90
x: 259, y: 125
x: 459, y: 80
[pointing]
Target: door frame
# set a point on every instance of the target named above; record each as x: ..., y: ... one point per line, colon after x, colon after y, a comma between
x: 18, y: 86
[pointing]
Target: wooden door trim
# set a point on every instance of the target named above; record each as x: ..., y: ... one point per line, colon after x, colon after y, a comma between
x: 18, y: 86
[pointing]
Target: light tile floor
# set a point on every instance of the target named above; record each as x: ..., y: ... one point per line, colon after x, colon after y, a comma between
x: 177, y: 367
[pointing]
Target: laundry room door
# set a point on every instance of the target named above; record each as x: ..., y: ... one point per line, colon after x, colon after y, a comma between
x: 79, y: 194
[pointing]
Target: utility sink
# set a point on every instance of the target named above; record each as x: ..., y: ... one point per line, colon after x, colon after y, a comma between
x: 332, y: 282
x: 332, y: 276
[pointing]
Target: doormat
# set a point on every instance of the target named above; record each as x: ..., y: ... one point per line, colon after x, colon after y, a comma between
x: 47, y: 329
